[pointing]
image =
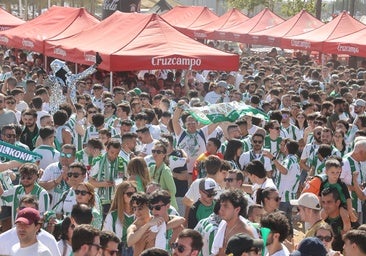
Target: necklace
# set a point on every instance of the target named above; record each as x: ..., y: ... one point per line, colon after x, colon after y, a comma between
x: 227, y: 234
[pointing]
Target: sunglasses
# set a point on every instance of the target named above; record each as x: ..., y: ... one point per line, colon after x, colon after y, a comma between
x: 67, y: 155
x: 10, y: 102
x: 277, y: 199
x: 26, y: 177
x: 129, y: 194
x: 210, y: 194
x: 10, y: 136
x: 82, y: 192
x: 92, y: 112
x: 257, y: 141
x: 318, y: 123
x: 325, y: 238
x: 111, y: 252
x: 156, y: 207
x: 157, y: 151
x: 177, y: 246
x: 229, y: 180
x: 276, y: 128
x: 73, y: 174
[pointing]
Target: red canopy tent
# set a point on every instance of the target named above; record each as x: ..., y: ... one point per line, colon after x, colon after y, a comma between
x: 298, y: 24
x: 263, y: 20
x: 353, y: 44
x: 341, y: 26
x: 187, y: 18
x: 146, y: 42
x: 229, y: 19
x: 8, y: 21
x: 57, y: 22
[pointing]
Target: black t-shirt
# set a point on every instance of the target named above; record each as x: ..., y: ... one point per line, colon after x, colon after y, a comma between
x: 337, y: 226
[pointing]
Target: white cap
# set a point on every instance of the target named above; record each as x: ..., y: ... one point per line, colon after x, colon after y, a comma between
x: 308, y: 200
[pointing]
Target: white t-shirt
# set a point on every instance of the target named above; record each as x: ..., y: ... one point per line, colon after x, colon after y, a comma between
x: 10, y: 238
x: 61, y: 247
x: 283, y: 252
x: 35, y: 249
x: 212, y: 97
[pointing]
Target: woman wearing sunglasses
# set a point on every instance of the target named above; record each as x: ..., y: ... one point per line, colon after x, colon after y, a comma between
x: 269, y: 198
x: 121, y: 215
x: 85, y: 194
x: 325, y: 234
x: 161, y: 173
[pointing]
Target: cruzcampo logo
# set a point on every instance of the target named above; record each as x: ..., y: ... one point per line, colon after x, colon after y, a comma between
x: 19, y: 154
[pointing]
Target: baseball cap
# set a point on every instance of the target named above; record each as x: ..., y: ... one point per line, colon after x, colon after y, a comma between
x: 360, y: 103
x: 208, y: 185
x: 28, y: 216
x: 222, y: 83
x: 308, y: 200
x: 240, y: 243
x: 310, y: 246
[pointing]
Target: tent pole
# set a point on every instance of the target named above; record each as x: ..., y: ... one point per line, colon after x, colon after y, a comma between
x: 110, y: 81
x: 76, y: 68
x: 45, y: 63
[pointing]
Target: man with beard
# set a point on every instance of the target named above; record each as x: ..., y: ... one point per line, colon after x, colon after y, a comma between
x: 129, y: 142
x: 339, y: 113
x: 6, y: 116
x: 55, y: 175
x: 327, y: 108
x: 28, y: 224
x: 233, y: 207
x: 279, y: 225
x: 311, y: 149
x: 106, y: 169
x: 30, y: 131
x: 28, y: 185
x: 256, y: 153
x: 189, y: 243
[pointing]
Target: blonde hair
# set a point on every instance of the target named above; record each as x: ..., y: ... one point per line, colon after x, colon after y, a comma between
x: 137, y: 166
x: 91, y: 190
x: 118, y: 203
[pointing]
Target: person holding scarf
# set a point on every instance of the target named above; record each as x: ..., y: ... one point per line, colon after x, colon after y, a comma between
x: 105, y: 170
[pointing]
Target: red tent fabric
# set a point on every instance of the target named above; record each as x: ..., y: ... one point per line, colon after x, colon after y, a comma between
x: 341, y: 26
x: 147, y: 42
x: 187, y: 18
x: 298, y: 24
x: 8, y: 21
x: 263, y: 20
x: 57, y: 22
x: 229, y: 19
x: 353, y: 44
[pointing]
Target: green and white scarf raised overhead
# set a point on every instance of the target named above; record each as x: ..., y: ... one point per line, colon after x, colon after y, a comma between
x: 229, y: 111
x: 19, y: 154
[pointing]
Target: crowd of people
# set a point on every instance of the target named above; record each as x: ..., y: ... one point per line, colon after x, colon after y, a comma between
x: 127, y: 169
